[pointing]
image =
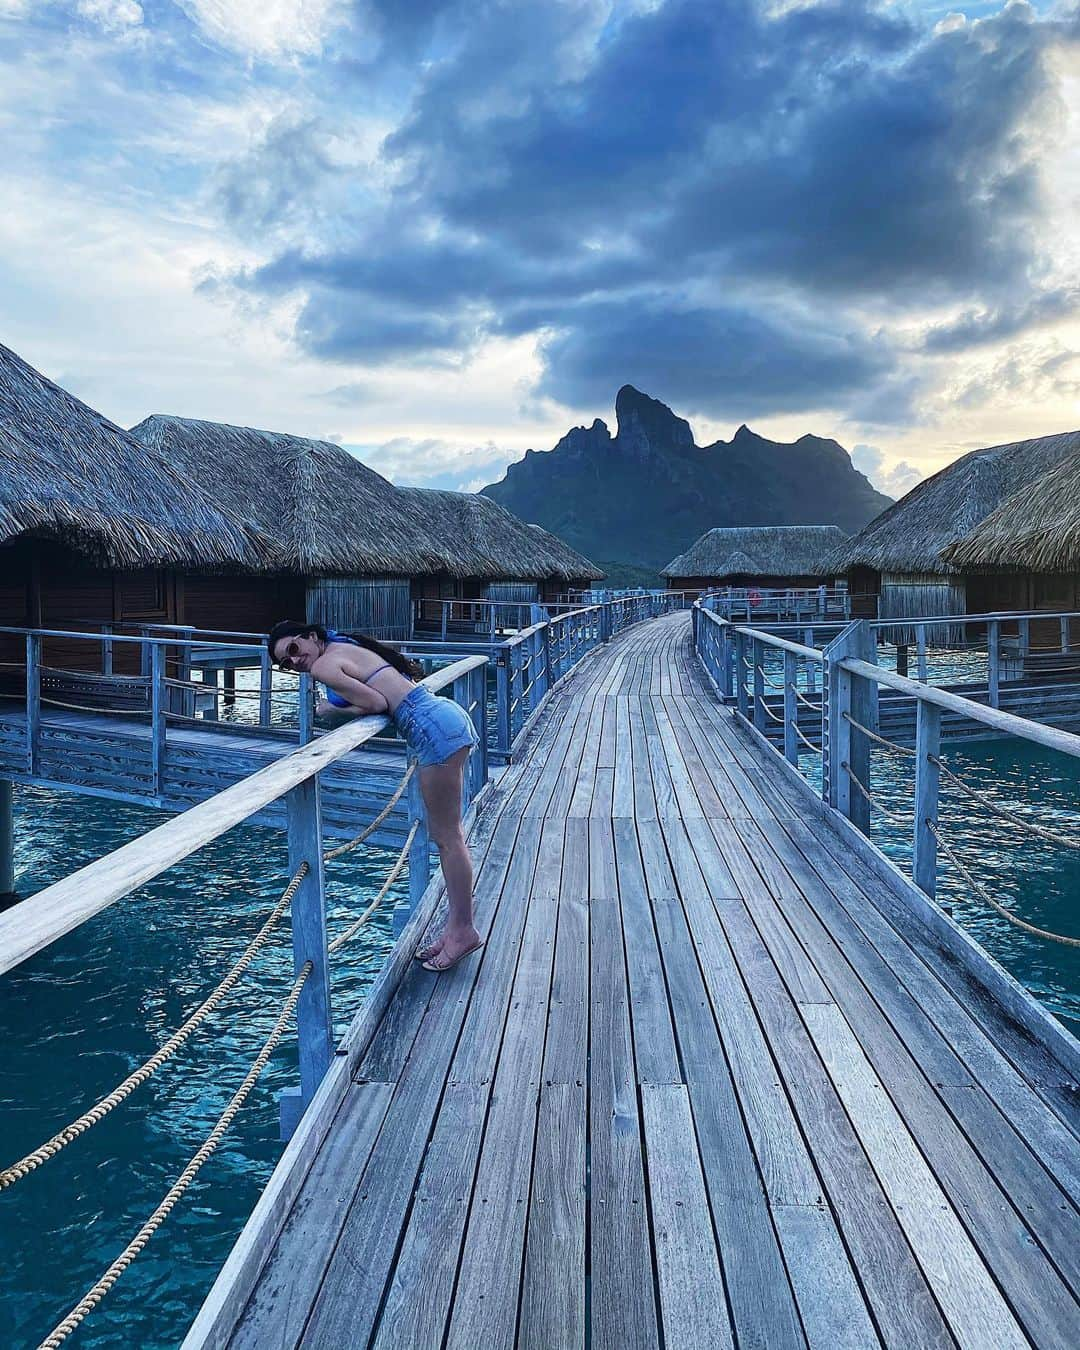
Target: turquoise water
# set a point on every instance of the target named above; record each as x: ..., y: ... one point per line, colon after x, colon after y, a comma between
x: 1038, y: 880
x: 80, y: 1016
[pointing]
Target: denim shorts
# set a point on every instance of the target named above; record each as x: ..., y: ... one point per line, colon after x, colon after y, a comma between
x: 434, y: 728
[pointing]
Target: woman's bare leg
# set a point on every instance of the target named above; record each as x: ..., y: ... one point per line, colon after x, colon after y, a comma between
x: 440, y: 787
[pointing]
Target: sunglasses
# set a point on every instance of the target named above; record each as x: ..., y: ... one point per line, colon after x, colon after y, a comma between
x: 292, y: 651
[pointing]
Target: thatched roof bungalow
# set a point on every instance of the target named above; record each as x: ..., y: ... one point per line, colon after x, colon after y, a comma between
x: 766, y: 556
x: 1026, y: 554
x: 365, y: 548
x: 94, y: 524
x: 900, y: 554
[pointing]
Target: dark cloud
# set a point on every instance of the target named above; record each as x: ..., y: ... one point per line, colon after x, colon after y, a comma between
x: 977, y: 328
x: 707, y: 360
x: 618, y: 179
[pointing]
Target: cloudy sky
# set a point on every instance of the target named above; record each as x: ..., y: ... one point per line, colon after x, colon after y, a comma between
x: 443, y: 231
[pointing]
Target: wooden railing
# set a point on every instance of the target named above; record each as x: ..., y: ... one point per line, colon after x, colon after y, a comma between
x: 33, y: 925
x: 796, y: 604
x: 770, y: 678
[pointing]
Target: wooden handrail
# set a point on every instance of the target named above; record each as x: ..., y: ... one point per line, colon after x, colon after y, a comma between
x: 1007, y: 723
x: 34, y: 924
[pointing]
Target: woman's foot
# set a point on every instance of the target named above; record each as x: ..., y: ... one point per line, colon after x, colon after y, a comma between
x: 453, y: 948
x: 430, y: 950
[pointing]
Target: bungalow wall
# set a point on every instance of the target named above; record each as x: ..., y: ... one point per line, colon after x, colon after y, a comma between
x: 241, y: 604
x: 379, y: 606
x: 923, y: 595
x: 1000, y: 592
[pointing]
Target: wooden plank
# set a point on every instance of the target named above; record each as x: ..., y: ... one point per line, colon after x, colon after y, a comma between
x: 655, y: 1055
x: 692, y: 1300
x: 553, y: 1293
x: 976, y: 1313
x: 296, y: 1263
x: 623, y: 1311
x: 760, y: 1296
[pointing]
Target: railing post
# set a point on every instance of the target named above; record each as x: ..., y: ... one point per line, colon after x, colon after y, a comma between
x: 1024, y: 626
x: 442, y: 621
x: 920, y: 651
x: 314, y: 1028
x: 144, y: 650
x: 605, y: 623
x: 33, y: 700
x: 106, y: 649
x: 502, y: 703
x: 726, y: 664
x: 842, y: 746
x: 757, y: 656
x: 1066, y: 641
x: 419, y: 853
x: 157, y: 714
x: 741, y: 699
x: 927, y: 749
x: 266, y: 686
x: 478, y: 698
x: 7, y: 842
x: 791, y: 708
x: 306, y: 695
x: 993, y: 662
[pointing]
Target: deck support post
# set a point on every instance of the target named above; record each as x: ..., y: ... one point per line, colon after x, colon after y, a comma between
x: 33, y: 700
x: 419, y: 854
x: 920, y: 651
x: 158, y: 693
x: 927, y: 776
x: 993, y: 662
x: 266, y: 686
x: 901, y: 658
x: 741, y: 700
x: 791, y: 708
x: 228, y: 698
x: 7, y: 843
x: 842, y: 745
x: 757, y: 656
x: 505, y: 732
x: 307, y: 709
x: 314, y: 1028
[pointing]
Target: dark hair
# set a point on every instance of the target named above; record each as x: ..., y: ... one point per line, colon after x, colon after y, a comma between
x: 291, y: 628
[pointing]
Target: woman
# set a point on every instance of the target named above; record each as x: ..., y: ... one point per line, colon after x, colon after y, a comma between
x: 362, y: 677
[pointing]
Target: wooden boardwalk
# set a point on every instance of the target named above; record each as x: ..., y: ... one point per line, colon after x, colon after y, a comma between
x: 708, y: 1084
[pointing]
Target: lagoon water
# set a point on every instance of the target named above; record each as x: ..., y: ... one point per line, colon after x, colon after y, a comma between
x: 81, y: 1015
x: 78, y: 1017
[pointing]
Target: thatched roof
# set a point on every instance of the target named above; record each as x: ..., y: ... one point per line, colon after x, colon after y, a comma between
x: 325, y: 511
x: 758, y: 551
x: 69, y: 473
x: 489, y: 542
x: 329, y: 514
x: 912, y: 534
x: 1034, y: 530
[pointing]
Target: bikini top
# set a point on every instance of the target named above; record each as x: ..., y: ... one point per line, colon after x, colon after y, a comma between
x: 332, y: 696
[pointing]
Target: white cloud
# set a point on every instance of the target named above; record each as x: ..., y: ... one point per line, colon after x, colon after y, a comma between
x: 272, y: 29
x: 895, y: 478
x: 114, y: 16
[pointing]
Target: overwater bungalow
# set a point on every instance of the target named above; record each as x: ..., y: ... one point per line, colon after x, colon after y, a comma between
x: 1026, y: 554
x: 358, y: 550
x: 766, y: 557
x: 96, y: 527
x: 492, y: 554
x: 897, y: 567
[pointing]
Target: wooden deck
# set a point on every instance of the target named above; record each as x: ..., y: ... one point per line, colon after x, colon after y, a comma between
x: 710, y: 1083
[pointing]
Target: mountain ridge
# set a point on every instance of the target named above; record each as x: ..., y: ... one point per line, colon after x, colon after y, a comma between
x: 646, y: 493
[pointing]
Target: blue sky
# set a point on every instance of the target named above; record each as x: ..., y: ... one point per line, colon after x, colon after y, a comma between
x: 444, y: 232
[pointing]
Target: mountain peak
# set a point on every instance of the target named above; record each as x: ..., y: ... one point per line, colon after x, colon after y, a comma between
x: 646, y: 425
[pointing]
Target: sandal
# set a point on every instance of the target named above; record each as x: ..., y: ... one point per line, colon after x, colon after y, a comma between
x: 441, y: 969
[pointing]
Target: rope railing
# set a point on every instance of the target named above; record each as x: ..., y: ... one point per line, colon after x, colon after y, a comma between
x: 98, y: 1291
x: 897, y: 817
x: 807, y: 702
x: 768, y: 711
x: 18, y: 1170
x: 987, y: 898
x: 392, y: 876
x: 995, y: 808
x: 878, y: 739
x: 815, y: 749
